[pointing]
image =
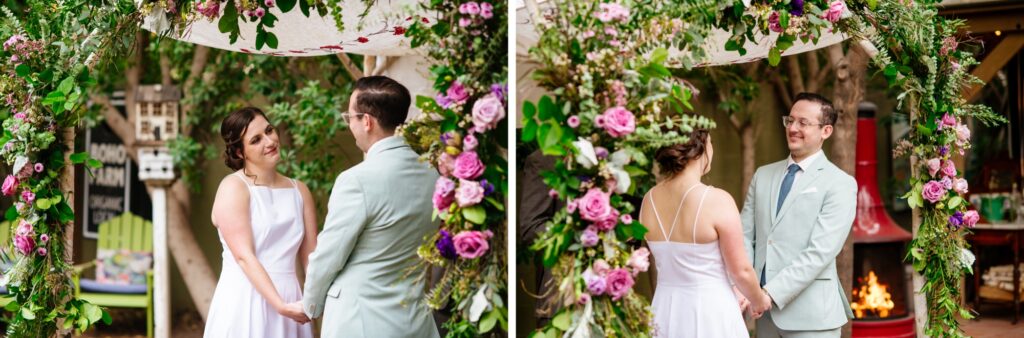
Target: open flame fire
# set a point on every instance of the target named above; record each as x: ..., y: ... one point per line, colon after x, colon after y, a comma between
x: 873, y: 298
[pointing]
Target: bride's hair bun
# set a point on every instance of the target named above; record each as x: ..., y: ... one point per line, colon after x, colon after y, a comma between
x: 674, y: 158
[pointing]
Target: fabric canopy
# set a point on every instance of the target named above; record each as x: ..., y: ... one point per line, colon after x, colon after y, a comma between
x: 378, y: 33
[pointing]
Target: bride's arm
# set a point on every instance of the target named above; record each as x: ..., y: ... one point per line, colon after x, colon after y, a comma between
x: 726, y: 220
x: 310, y: 222
x: 231, y: 214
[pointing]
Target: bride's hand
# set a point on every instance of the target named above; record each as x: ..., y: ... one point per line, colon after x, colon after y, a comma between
x: 294, y: 311
x: 762, y: 304
x: 744, y: 302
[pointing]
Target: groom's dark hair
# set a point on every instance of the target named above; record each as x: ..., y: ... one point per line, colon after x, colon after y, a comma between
x: 383, y: 98
x: 828, y: 112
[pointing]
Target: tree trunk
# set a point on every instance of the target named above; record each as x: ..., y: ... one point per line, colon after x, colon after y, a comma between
x: 748, y: 145
x: 67, y: 185
x: 850, y: 85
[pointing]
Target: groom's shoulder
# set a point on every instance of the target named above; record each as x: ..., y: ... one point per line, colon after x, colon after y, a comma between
x: 770, y: 167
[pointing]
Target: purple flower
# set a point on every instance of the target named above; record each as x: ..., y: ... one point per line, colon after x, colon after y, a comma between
x: 796, y: 8
x: 947, y: 183
x: 943, y: 150
x: 589, y: 237
x: 457, y: 92
x: 595, y: 283
x: 445, y: 246
x: 956, y: 220
x: 500, y: 90
x: 443, y: 100
x: 933, y: 191
x: 488, y: 187
x: 601, y: 152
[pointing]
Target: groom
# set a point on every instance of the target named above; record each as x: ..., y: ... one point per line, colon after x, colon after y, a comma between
x: 378, y: 214
x: 796, y: 217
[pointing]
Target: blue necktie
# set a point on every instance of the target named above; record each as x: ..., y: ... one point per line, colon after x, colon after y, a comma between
x: 787, y: 183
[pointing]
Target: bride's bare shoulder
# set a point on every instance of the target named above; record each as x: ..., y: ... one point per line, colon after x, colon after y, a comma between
x: 720, y: 198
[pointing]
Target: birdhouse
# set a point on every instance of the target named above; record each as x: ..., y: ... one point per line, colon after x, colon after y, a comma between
x: 155, y: 164
x: 156, y: 114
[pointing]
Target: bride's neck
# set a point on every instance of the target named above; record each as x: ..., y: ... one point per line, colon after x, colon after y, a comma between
x: 260, y: 175
x: 684, y: 180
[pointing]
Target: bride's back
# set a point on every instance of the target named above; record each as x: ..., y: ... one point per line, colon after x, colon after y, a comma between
x: 671, y: 213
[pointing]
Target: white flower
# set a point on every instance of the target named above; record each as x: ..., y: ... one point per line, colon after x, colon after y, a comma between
x: 582, y: 327
x: 19, y: 163
x: 585, y: 154
x: 618, y: 160
x: 479, y: 305
x: 966, y: 258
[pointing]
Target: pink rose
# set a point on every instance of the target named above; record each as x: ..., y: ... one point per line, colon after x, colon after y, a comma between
x: 469, y: 193
x: 948, y: 121
x: 948, y: 168
x: 612, y: 11
x: 960, y: 186
x: 28, y: 196
x: 620, y: 282
x: 773, y: 23
x: 594, y: 205
x: 445, y: 164
x: 835, y: 11
x: 571, y: 206
x: 574, y: 121
x: 469, y: 143
x: 457, y: 93
x: 608, y: 223
x: 472, y: 244
x: 971, y: 218
x: 947, y: 183
x: 933, y: 191
x: 589, y: 237
x: 468, y: 166
x: 25, y: 229
x: 487, y: 112
x: 601, y: 267
x: 595, y: 282
x: 963, y: 134
x: 444, y: 195
x: 24, y: 244
x: 933, y: 166
x: 639, y: 261
x: 619, y: 122
x: 10, y: 183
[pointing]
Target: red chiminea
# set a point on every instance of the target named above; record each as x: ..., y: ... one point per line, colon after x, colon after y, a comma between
x: 880, y: 295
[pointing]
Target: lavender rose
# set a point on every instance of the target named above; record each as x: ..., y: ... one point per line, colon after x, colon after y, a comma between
x: 595, y: 283
x: 589, y: 237
x: 468, y: 166
x: 933, y: 191
x: 639, y: 261
x: 595, y: 205
x: 469, y: 193
x: 444, y: 195
x: 796, y: 7
x: 947, y: 183
x: 619, y: 122
x: 933, y: 166
x: 948, y: 168
x: 472, y: 244
x: 487, y: 112
x: 620, y: 282
x: 960, y: 186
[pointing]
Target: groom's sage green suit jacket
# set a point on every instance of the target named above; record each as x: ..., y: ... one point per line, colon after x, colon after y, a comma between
x: 796, y: 247
x: 377, y: 217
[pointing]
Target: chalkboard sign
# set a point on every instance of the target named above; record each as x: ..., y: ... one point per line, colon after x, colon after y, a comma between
x: 114, y: 188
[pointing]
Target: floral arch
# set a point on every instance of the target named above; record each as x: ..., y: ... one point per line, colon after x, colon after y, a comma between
x: 48, y: 71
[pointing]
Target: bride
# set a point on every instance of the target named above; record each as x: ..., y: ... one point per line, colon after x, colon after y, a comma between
x: 698, y: 249
x: 265, y: 221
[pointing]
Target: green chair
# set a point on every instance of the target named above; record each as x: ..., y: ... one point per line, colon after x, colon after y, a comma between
x: 124, y: 232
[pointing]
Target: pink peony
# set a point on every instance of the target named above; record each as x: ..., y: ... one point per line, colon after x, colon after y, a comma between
x: 948, y: 168
x: 773, y: 23
x: 469, y: 143
x: 933, y: 191
x: 619, y: 283
x: 971, y: 218
x: 487, y: 112
x: 28, y: 196
x: 619, y: 122
x: 589, y: 237
x: 595, y: 205
x: 835, y: 11
x: 457, y: 93
x: 595, y: 283
x: 472, y: 244
x: 444, y: 190
x: 574, y: 121
x: 611, y: 11
x: 468, y: 166
x: 445, y: 164
x: 933, y: 166
x: 469, y: 193
x: 10, y: 183
x: 639, y: 261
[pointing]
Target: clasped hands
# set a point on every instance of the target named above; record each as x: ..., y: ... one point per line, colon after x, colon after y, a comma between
x: 294, y: 311
x: 757, y: 308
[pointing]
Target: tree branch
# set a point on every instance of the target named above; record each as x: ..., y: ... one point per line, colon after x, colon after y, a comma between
x: 813, y: 69
x: 796, y: 77
x: 132, y: 77
x: 782, y: 89
x: 200, y: 58
x: 165, y: 70
x: 350, y: 66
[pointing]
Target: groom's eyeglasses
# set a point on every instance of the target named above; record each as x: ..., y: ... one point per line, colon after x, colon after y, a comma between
x: 802, y: 123
x: 348, y: 116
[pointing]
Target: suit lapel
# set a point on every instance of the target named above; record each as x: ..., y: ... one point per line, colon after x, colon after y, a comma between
x: 777, y: 176
x: 806, y: 179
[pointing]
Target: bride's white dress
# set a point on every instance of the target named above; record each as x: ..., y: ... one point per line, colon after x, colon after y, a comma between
x: 694, y: 296
x: 237, y: 309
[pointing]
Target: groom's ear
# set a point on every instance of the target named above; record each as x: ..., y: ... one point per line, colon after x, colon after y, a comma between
x: 826, y: 132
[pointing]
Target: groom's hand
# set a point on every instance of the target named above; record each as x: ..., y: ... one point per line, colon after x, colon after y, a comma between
x: 294, y: 311
x: 744, y: 302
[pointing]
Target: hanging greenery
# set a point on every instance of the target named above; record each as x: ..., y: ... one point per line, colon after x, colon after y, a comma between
x: 614, y: 101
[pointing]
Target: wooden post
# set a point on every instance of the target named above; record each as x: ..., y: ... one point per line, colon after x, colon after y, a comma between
x: 920, y: 304
x: 67, y: 185
x: 161, y: 266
